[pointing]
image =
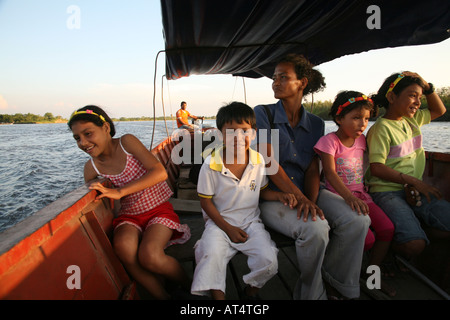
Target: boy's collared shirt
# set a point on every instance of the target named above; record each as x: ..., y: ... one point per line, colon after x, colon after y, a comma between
x: 236, y: 199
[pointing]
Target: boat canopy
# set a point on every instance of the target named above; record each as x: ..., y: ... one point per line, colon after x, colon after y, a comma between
x: 248, y: 37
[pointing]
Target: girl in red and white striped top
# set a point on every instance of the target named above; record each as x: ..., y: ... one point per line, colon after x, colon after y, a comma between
x: 146, y: 223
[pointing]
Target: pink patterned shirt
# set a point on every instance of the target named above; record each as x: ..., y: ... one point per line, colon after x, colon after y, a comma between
x: 349, y: 161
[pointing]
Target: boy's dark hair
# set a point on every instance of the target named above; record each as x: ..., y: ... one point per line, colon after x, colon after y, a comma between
x: 237, y: 111
x: 342, y: 97
x: 380, y: 99
x: 304, y: 69
x: 95, y: 119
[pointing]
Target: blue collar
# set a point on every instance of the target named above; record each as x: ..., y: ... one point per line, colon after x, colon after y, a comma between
x: 280, y: 116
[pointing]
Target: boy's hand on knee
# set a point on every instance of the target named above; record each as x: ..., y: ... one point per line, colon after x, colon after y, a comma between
x: 236, y: 234
x: 427, y: 190
x: 288, y: 199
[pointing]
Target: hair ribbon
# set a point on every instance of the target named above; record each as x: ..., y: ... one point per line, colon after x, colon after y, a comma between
x: 350, y: 101
x: 393, y: 84
x: 88, y: 111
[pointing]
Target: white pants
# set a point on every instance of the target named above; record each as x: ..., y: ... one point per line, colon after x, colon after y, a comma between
x: 214, y: 250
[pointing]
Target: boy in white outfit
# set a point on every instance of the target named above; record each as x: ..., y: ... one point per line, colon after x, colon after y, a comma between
x: 230, y: 183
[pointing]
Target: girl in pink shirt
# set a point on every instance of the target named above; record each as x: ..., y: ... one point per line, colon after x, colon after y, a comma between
x: 342, y: 155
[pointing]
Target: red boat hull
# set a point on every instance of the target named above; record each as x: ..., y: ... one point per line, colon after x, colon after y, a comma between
x: 38, y: 266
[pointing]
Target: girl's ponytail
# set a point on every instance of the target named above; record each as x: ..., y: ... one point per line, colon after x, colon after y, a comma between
x: 316, y: 82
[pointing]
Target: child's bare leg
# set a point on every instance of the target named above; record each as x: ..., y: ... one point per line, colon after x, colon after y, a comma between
x: 411, y: 249
x: 218, y: 294
x: 377, y: 255
x: 251, y: 291
x: 153, y: 258
x: 126, y: 243
x: 379, y: 252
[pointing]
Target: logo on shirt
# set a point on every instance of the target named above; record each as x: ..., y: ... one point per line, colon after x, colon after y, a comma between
x: 253, y: 185
x: 350, y: 170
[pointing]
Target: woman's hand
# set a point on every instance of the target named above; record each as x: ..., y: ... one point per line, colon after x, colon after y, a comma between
x: 306, y: 207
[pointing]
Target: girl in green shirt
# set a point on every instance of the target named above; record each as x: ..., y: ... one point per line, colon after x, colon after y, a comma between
x: 397, y: 159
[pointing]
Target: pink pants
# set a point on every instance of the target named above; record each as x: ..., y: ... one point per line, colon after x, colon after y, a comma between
x: 381, y: 228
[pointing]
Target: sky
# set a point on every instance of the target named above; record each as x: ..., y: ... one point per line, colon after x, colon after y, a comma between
x: 60, y: 55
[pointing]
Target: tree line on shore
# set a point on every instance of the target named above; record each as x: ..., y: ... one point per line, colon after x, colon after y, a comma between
x: 20, y: 118
x: 319, y: 108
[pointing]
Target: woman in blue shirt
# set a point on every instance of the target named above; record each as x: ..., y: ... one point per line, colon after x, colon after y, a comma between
x: 298, y: 172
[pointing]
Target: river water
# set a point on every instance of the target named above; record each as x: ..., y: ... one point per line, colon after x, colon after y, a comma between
x: 41, y: 162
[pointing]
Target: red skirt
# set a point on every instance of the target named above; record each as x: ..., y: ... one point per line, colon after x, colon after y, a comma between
x: 162, y: 214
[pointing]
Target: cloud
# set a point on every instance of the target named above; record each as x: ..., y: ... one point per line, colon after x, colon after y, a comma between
x: 3, y: 103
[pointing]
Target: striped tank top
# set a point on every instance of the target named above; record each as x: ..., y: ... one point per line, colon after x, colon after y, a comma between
x: 141, y: 201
